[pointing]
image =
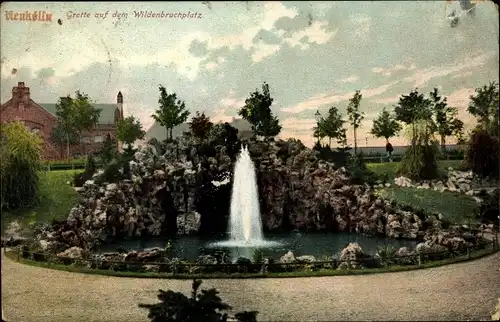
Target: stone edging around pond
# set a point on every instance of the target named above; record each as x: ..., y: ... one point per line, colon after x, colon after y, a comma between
x: 240, y: 270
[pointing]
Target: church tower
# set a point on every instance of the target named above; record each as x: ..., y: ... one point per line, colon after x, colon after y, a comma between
x: 119, y: 103
x: 119, y: 114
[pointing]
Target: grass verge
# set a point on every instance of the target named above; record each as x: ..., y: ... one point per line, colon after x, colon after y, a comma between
x: 390, y: 169
x: 56, y: 198
x: 455, y: 207
x: 12, y: 255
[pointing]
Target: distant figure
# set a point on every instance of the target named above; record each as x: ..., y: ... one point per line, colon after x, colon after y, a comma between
x: 389, y: 149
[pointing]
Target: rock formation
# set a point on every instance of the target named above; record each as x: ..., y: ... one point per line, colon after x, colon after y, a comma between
x: 183, y: 188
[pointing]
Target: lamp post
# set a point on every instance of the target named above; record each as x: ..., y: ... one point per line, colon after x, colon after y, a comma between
x: 317, y: 116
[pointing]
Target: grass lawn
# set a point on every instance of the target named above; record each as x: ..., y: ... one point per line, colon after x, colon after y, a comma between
x: 56, y: 199
x: 456, y: 208
x: 390, y: 169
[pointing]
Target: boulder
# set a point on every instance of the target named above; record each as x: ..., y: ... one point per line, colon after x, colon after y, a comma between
x: 351, y: 256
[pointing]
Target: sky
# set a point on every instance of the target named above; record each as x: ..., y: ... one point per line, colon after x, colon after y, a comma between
x: 313, y: 55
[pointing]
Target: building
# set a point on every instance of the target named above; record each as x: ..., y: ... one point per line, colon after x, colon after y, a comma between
x: 41, y: 117
x: 157, y: 131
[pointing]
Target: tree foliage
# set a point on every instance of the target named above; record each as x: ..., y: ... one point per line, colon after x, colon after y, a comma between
x: 257, y: 111
x: 420, y: 159
x: 60, y: 138
x: 413, y: 107
x: 128, y: 130
x: 171, y: 112
x: 204, y: 306
x: 74, y: 116
x: 20, y: 155
x: 108, y: 150
x: 332, y: 127
x: 484, y: 106
x: 355, y: 115
x: 483, y: 153
x: 385, y: 125
x: 200, y: 126
x: 445, y: 118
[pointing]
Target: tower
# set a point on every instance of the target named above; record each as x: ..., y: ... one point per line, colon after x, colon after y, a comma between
x: 119, y: 103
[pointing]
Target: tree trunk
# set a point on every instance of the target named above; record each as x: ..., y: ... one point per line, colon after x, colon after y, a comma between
x: 443, y: 143
x: 67, y: 147
x: 166, y: 133
x: 61, y: 151
x: 355, y: 142
x: 171, y: 135
x: 330, y: 142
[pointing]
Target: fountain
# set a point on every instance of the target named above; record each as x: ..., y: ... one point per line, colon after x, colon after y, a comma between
x: 245, y: 226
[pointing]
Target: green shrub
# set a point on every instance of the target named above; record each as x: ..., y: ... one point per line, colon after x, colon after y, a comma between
x: 79, y: 179
x: 20, y: 156
x: 75, y: 161
x: 359, y: 171
x: 483, y: 153
x: 339, y: 157
x: 489, y: 208
x: 204, y: 306
x: 419, y: 162
x: 258, y: 256
x: 386, y: 254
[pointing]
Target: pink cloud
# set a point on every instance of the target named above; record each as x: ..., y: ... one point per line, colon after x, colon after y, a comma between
x: 386, y: 100
x: 422, y: 76
x: 324, y: 99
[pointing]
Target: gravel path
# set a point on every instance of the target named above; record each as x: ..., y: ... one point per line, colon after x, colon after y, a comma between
x: 465, y: 291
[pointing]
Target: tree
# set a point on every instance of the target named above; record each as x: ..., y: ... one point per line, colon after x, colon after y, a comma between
x: 74, y: 116
x: 385, y: 125
x: 355, y: 116
x: 413, y: 108
x: 333, y: 127
x: 484, y: 106
x: 257, y: 111
x: 171, y: 112
x: 59, y: 137
x: 108, y: 150
x: 128, y: 130
x: 419, y: 160
x: 200, y: 126
x: 20, y: 156
x: 445, y: 118
x: 206, y: 306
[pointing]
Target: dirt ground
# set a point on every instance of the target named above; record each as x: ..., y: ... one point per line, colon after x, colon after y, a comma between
x: 465, y: 291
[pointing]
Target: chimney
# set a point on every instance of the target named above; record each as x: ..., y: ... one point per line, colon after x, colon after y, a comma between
x: 21, y: 94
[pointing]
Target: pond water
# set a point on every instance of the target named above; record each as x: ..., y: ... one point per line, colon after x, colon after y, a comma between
x: 318, y: 245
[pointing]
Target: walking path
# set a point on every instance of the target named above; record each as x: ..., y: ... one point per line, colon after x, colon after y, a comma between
x: 464, y: 291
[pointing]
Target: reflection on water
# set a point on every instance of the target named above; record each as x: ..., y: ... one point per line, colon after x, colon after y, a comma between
x: 318, y: 245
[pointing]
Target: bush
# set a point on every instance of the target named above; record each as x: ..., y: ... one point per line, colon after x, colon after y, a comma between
x: 359, y: 171
x: 206, y: 306
x: 419, y: 162
x: 79, y: 179
x: 490, y: 207
x: 20, y: 156
x: 483, y: 153
x: 339, y: 157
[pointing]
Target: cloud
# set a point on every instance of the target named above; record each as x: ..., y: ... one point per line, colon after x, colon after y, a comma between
x: 422, y: 76
x: 351, y: 79
x: 386, y: 100
x: 391, y: 70
x: 362, y: 24
x: 325, y: 99
x: 315, y: 33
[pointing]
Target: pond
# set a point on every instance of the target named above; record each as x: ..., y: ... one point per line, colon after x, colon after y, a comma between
x: 316, y: 244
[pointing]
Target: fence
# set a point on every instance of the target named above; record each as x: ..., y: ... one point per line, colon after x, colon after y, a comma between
x: 180, y: 268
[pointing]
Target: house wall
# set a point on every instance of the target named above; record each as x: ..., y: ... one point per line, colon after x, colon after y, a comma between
x: 22, y: 108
